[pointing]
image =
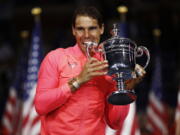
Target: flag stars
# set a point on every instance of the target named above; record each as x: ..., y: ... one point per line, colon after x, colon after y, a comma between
x: 36, y: 46
x: 32, y: 77
x: 29, y: 85
x: 33, y: 62
x: 35, y: 54
x: 32, y: 69
x: 36, y: 39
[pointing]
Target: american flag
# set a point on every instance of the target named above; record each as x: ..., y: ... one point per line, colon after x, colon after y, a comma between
x: 130, y: 125
x: 156, y: 110
x: 30, y: 119
x: 25, y: 121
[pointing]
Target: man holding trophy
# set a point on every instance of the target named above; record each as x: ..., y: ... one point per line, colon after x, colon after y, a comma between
x: 75, y: 84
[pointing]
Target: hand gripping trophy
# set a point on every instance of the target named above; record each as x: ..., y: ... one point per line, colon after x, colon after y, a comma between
x: 121, y: 54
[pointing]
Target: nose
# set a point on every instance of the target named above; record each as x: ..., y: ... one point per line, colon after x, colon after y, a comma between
x: 86, y: 34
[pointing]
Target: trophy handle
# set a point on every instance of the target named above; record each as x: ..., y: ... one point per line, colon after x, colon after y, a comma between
x: 101, y: 50
x: 97, y: 48
x: 87, y: 51
x: 89, y: 44
x: 140, y: 51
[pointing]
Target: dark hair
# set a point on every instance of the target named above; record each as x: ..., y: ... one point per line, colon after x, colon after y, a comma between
x: 88, y: 11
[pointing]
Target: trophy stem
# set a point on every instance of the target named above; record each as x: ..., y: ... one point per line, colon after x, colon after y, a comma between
x: 122, y: 96
x: 120, y: 81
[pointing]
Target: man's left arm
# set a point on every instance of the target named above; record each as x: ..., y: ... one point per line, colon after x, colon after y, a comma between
x: 116, y: 114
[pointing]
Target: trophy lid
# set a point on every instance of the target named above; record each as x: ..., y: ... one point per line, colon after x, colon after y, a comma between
x: 117, y: 39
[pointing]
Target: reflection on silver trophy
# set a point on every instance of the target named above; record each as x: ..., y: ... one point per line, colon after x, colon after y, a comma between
x: 121, y: 54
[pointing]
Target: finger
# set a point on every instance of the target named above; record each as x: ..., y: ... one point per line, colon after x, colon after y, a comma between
x: 134, y: 81
x: 100, y: 47
x: 138, y: 79
x: 134, y: 75
x: 139, y: 70
x: 92, y: 59
x: 93, y: 74
x: 98, y: 63
x: 98, y: 68
x: 130, y: 84
x: 95, y: 47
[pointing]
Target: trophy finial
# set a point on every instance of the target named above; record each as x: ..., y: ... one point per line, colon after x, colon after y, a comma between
x: 115, y: 29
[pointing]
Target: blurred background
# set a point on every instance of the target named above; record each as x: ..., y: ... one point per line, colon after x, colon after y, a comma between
x: 151, y: 23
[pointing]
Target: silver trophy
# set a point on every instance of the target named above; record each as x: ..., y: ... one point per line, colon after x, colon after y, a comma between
x: 121, y: 54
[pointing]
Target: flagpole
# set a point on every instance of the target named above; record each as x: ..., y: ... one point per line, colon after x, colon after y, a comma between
x: 122, y: 11
x: 29, y: 113
x: 123, y: 25
x: 24, y: 35
x: 156, y: 35
x: 36, y: 12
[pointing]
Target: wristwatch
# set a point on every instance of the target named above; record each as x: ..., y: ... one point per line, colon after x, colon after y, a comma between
x: 74, y: 84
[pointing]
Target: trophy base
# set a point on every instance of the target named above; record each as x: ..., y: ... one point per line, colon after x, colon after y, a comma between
x: 122, y: 97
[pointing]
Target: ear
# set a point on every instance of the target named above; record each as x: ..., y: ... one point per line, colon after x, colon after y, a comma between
x: 102, y: 29
x: 73, y: 30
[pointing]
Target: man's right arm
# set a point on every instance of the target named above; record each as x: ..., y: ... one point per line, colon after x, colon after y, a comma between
x: 49, y: 94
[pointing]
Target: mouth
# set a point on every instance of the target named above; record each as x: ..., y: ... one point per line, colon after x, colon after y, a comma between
x: 90, y: 43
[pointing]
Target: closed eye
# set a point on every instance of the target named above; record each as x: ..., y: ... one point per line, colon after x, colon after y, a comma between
x: 79, y: 28
x: 92, y: 28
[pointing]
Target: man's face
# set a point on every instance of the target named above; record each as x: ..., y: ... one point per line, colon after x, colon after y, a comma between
x: 86, y: 29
